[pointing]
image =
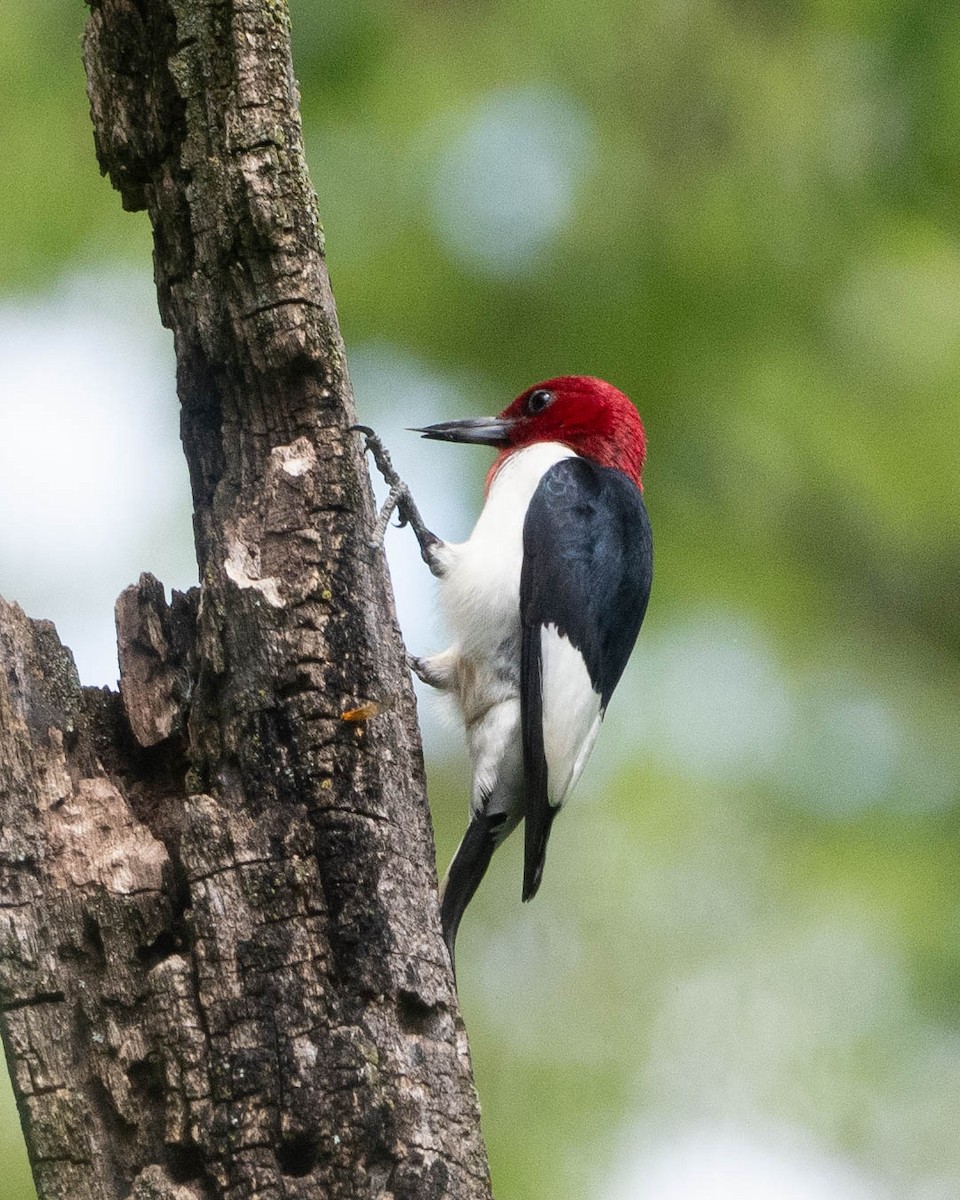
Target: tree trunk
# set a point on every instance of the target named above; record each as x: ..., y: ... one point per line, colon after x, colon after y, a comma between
x: 221, y: 969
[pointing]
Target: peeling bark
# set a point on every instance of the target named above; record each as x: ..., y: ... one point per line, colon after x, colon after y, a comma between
x: 221, y: 970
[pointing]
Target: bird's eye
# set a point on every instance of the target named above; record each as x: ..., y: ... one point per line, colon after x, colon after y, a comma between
x: 538, y: 400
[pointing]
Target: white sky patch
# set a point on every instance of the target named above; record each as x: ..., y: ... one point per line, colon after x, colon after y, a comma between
x: 771, y: 1027
x: 93, y: 485
x: 706, y: 694
x: 719, y: 1163
x: 711, y: 697
x: 505, y: 185
x: 848, y: 748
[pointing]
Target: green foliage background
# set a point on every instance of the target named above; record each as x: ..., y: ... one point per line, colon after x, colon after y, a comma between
x: 752, y: 921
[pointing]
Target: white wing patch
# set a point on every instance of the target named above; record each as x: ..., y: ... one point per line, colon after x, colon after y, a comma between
x: 571, y: 713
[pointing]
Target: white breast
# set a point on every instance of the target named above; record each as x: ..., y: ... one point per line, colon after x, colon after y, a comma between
x: 480, y: 592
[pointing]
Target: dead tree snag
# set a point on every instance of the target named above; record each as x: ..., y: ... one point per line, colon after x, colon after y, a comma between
x: 221, y: 972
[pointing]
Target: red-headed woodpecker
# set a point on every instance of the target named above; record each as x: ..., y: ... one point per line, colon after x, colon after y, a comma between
x: 545, y: 600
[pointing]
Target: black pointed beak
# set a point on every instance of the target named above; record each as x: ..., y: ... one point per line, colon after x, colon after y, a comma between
x: 481, y: 431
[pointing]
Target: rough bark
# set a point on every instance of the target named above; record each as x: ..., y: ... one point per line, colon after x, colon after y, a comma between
x: 221, y: 970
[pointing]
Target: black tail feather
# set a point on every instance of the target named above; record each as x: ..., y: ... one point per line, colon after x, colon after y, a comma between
x: 464, y: 874
x: 536, y: 836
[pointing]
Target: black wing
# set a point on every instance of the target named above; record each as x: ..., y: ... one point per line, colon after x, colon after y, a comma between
x: 587, y: 569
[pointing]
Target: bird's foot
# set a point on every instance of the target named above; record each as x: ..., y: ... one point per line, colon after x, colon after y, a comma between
x: 415, y: 664
x: 437, y: 671
x: 399, y: 500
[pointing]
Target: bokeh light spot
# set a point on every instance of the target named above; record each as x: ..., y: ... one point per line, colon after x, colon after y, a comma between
x: 506, y: 183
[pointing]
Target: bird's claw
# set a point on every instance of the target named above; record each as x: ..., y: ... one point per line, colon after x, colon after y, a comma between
x: 399, y: 500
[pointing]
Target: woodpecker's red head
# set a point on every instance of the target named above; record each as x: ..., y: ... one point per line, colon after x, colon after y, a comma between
x: 590, y: 416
